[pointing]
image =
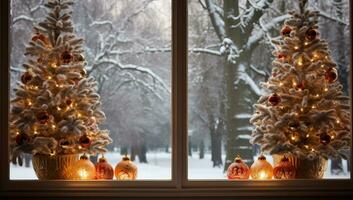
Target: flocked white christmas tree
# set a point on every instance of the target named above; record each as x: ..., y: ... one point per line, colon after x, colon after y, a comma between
x: 305, y: 112
x: 56, y: 108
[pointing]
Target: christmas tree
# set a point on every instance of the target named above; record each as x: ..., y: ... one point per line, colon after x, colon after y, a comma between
x: 305, y: 112
x: 56, y: 108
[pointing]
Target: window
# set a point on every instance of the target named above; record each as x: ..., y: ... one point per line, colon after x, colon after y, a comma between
x: 228, y: 59
x: 183, y: 180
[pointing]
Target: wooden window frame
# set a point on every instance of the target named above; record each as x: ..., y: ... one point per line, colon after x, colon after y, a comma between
x: 179, y: 186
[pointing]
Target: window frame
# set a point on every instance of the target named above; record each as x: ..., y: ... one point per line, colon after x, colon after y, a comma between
x: 179, y: 186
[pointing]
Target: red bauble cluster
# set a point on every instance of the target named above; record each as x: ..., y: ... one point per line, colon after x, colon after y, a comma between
x: 104, y: 170
x: 26, y: 77
x: 325, y: 139
x: 43, y: 117
x: 311, y: 34
x: 331, y: 75
x: 274, y: 99
x: 284, y: 169
x: 85, y: 141
x: 22, y: 138
x: 66, y: 57
x: 285, y: 32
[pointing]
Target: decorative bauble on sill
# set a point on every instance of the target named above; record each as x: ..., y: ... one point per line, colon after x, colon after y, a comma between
x: 238, y: 169
x: 84, y: 169
x: 126, y: 169
x: 104, y: 170
x: 261, y: 169
x: 284, y: 169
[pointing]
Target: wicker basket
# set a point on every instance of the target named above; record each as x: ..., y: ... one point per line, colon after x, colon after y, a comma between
x: 57, y: 167
x: 305, y: 168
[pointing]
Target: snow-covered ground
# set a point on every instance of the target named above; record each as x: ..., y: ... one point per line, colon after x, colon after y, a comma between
x: 159, y: 168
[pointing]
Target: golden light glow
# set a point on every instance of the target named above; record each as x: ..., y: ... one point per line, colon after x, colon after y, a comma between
x: 313, y: 107
x: 338, y: 121
x: 53, y: 126
x: 300, y: 63
x: 306, y: 43
x: 280, y: 84
x: 293, y: 138
x: 306, y: 146
x: 79, y: 115
x: 83, y: 174
x: 262, y: 175
x: 332, y: 136
x: 326, y: 89
x: 57, y: 85
x: 29, y: 103
x: 307, y: 135
x: 58, y: 108
x: 302, y: 109
x: 17, y: 133
x: 49, y: 77
x: 294, y: 84
x: 317, y: 95
x: 296, y: 47
x: 322, y: 65
x: 35, y: 87
x: 312, y: 149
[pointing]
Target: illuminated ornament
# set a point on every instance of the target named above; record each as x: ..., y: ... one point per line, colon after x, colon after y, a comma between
x: 41, y: 37
x: 261, y: 169
x: 22, y: 138
x: 26, y: 77
x: 104, y: 170
x: 125, y: 170
x: 238, y: 169
x: 325, y: 139
x: 274, y: 99
x: 285, y: 32
x: 79, y: 58
x: 331, y: 75
x: 284, y: 169
x: 295, y: 137
x: 294, y: 125
x: 66, y: 57
x: 84, y: 169
x: 85, y: 141
x: 311, y: 34
x: 43, y: 117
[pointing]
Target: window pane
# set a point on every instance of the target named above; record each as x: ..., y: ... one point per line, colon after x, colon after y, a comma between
x: 128, y: 53
x: 231, y: 46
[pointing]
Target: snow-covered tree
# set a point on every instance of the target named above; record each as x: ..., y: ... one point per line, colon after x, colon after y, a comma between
x: 56, y: 109
x: 306, y: 112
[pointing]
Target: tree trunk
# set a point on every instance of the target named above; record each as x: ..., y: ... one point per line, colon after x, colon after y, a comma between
x: 27, y: 158
x: 134, y: 152
x: 142, y: 153
x: 236, y: 94
x: 189, y: 148
x: 202, y: 150
x: 124, y: 150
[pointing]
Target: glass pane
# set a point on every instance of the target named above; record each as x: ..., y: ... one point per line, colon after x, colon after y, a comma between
x: 236, y: 45
x: 55, y: 113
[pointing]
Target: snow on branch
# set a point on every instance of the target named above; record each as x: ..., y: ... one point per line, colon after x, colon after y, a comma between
x: 216, y: 19
x: 254, y: 38
x: 243, y: 76
x: 328, y: 16
x: 132, y: 67
x: 102, y: 23
x: 258, y: 71
x: 22, y: 18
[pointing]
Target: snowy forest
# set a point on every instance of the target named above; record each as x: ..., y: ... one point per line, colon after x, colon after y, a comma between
x: 128, y: 50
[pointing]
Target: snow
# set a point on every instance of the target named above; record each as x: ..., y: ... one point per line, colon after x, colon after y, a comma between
x: 243, y: 116
x: 159, y: 168
x: 243, y: 76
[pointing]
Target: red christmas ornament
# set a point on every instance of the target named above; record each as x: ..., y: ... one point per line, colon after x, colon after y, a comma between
x: 300, y: 86
x: 22, y: 139
x: 43, y: 117
x: 274, y: 74
x: 311, y: 34
x: 284, y: 169
x: 325, y: 138
x: 281, y: 56
x: 39, y: 36
x: 66, y: 56
x: 238, y: 169
x: 104, y: 170
x: 274, y: 99
x: 331, y: 75
x: 285, y: 32
x: 125, y: 170
x: 85, y: 141
x: 26, y: 77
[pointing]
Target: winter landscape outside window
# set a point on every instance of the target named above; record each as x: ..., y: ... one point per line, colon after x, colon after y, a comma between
x: 230, y: 53
x: 129, y: 54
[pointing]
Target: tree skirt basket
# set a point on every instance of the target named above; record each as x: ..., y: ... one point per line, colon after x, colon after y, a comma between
x: 56, y: 167
x: 305, y: 168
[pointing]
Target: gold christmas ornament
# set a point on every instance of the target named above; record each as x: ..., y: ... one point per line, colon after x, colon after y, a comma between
x: 126, y: 169
x: 84, y: 169
x: 261, y: 169
x: 238, y: 169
